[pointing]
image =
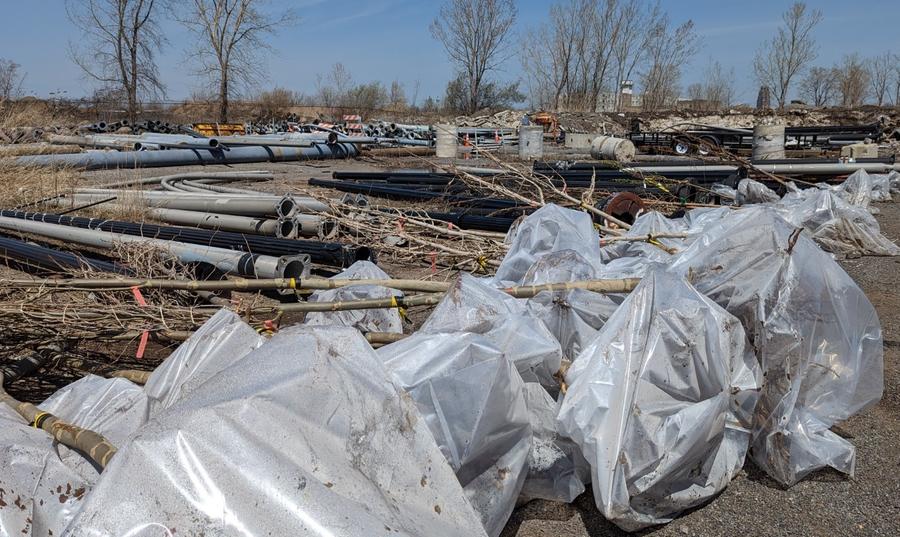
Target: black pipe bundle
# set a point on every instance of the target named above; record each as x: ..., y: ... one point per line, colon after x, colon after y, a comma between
x: 376, y: 190
x: 470, y: 221
x: 34, y: 257
x: 323, y: 253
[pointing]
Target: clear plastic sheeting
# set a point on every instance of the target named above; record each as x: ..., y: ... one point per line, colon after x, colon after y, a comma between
x: 856, y: 189
x: 835, y: 224
x: 474, y: 305
x: 750, y: 191
x: 557, y: 471
x: 894, y: 182
x: 661, y: 403
x: 816, y: 335
x: 881, y: 186
x: 222, y: 340
x: 43, y: 483
x: 365, y: 320
x: 471, y: 396
x: 649, y: 223
x: 306, y: 435
x: 573, y: 316
x: 39, y: 493
x: 549, y: 229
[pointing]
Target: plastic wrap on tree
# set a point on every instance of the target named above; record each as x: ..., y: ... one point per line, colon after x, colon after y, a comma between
x: 471, y: 305
x: 471, y: 397
x: 474, y: 305
x: 750, y: 192
x: 856, y: 189
x: 557, y: 471
x: 881, y: 186
x: 549, y: 229
x: 43, y: 483
x: 40, y: 493
x: 894, y: 182
x: 306, y: 435
x: 222, y: 340
x: 836, y: 225
x: 647, y: 224
x: 366, y: 320
x: 816, y: 335
x: 573, y: 316
x: 661, y: 402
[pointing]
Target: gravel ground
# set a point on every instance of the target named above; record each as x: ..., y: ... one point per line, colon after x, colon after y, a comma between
x: 824, y: 504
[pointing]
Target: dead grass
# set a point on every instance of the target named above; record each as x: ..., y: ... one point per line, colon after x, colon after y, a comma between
x: 25, y: 185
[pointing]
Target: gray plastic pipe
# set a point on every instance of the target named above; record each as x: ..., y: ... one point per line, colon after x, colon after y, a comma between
x: 188, y: 157
x: 188, y: 201
x: 252, y: 175
x: 230, y: 261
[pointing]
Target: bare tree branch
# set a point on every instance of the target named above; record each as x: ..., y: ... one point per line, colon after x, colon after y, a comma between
x: 120, y: 41
x: 789, y: 52
x: 229, y: 43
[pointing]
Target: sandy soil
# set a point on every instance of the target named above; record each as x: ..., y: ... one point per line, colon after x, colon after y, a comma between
x: 824, y: 504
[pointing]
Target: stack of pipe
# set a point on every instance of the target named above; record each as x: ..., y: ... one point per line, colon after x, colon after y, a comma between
x: 323, y: 253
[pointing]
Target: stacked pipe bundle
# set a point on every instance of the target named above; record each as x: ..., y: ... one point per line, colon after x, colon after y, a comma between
x: 324, y: 253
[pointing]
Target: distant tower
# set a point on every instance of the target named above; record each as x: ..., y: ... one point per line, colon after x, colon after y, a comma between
x: 763, y: 99
x: 626, y: 90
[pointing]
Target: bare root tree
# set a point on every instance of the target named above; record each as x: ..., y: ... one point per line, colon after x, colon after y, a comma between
x: 230, y: 41
x: 820, y: 86
x: 779, y: 61
x: 11, y: 79
x: 120, y: 41
x: 854, y: 81
x: 879, y: 69
x: 476, y: 35
x: 673, y: 48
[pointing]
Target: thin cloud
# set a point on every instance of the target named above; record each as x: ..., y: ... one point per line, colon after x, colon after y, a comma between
x: 740, y: 28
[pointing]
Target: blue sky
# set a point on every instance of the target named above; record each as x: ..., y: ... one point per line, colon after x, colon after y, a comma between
x: 389, y: 39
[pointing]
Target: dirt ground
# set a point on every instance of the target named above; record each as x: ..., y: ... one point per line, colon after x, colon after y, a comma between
x: 825, y: 503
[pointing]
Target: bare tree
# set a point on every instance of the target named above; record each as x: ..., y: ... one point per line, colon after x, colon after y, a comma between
x: 230, y: 40
x: 120, y: 40
x: 793, y: 48
x: 879, y: 69
x: 820, y: 86
x: 11, y: 79
x: 718, y: 86
x: 476, y: 36
x: 896, y: 78
x: 638, y: 25
x: 673, y: 48
x: 587, y: 49
x: 854, y: 81
x: 397, y: 97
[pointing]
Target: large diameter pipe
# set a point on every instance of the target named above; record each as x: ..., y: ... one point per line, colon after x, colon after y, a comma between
x: 239, y: 263
x: 189, y: 157
x: 236, y: 206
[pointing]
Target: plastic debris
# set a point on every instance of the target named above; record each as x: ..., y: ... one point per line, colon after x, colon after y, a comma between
x: 816, y: 336
x: 661, y: 403
x: 471, y: 396
x: 366, y: 320
x: 306, y: 435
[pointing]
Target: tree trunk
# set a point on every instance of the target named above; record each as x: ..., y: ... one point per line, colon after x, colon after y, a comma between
x: 223, y: 99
